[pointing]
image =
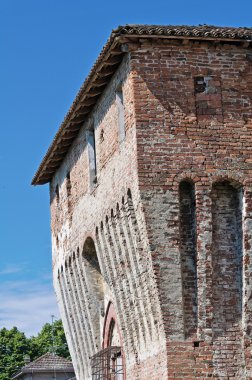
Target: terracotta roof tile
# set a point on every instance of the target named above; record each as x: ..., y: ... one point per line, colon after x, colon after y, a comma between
x: 203, y: 31
x: 49, y: 361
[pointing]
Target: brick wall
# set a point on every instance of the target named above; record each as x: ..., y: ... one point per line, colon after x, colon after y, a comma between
x: 169, y: 216
x: 109, y: 215
x: 201, y: 135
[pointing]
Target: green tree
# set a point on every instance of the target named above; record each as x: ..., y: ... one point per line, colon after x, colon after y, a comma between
x: 51, y: 338
x: 13, y: 347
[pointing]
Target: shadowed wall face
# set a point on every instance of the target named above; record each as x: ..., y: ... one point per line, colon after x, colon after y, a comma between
x: 95, y: 284
x: 227, y: 278
x: 226, y: 258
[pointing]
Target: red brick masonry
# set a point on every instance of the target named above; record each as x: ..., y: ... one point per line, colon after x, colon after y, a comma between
x: 164, y: 229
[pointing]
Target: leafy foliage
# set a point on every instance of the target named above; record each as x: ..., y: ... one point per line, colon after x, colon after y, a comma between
x: 51, y: 338
x: 15, y: 346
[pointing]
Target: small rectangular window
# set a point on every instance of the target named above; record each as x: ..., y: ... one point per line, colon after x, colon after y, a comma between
x: 199, y: 84
x: 120, y: 107
x: 92, y: 156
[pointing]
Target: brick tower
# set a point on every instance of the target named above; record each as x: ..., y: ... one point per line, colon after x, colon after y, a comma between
x: 151, y: 212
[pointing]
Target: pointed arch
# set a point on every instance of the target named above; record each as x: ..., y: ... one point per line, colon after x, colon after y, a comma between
x: 95, y: 286
x: 112, y: 340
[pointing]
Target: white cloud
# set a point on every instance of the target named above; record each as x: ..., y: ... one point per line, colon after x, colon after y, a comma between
x: 11, y: 269
x: 28, y: 305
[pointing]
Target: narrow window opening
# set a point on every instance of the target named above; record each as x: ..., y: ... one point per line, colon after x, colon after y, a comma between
x: 102, y: 136
x: 227, y: 275
x: 57, y: 193
x: 227, y: 259
x: 92, y: 156
x: 57, y: 241
x: 188, y: 256
x: 120, y: 107
x: 69, y: 191
x: 68, y: 184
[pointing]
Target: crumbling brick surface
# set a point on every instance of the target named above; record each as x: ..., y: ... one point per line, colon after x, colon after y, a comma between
x: 181, y: 291
x: 179, y: 138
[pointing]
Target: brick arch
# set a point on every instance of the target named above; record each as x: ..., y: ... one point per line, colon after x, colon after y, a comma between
x: 236, y: 181
x: 110, y: 318
x: 110, y: 322
x: 194, y: 177
x: 86, y: 237
x: 90, y: 237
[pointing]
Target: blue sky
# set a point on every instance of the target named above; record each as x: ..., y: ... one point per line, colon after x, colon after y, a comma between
x: 47, y: 48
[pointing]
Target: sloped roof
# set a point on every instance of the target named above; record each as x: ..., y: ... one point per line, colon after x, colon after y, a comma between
x: 102, y: 71
x: 50, y: 360
x: 46, y: 363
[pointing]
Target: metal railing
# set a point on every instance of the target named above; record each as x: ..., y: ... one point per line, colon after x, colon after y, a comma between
x: 107, y: 364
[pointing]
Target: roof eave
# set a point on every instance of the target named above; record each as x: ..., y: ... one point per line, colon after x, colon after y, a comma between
x: 71, y: 123
x: 43, y: 370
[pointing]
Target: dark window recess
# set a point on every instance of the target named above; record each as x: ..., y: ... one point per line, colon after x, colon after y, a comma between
x: 120, y: 106
x: 57, y: 192
x: 107, y: 364
x: 95, y: 279
x: 227, y: 259
x: 188, y: 252
x: 68, y: 185
x: 69, y: 194
x: 92, y: 156
x: 199, y: 84
x: 102, y: 136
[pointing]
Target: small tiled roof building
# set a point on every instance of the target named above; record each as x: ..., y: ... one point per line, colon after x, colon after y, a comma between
x: 151, y: 207
x: 46, y: 367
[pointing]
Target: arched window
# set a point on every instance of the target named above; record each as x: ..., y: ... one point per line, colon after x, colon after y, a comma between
x: 188, y: 254
x: 109, y: 362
